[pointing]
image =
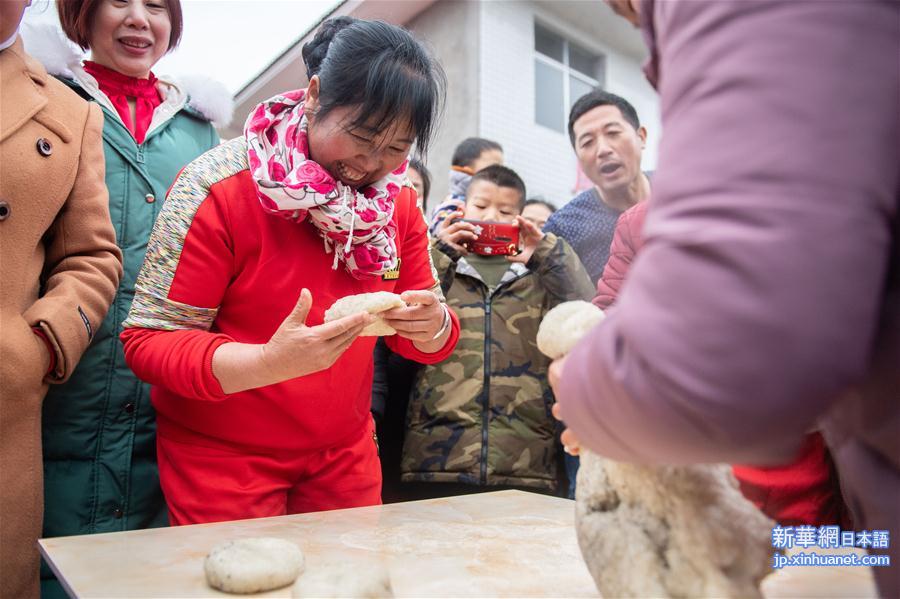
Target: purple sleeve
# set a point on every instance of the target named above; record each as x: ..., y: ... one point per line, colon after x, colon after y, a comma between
x: 754, y: 303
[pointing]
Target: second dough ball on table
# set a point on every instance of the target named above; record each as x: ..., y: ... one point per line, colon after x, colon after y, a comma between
x: 361, y: 581
x: 253, y: 565
x: 373, y: 303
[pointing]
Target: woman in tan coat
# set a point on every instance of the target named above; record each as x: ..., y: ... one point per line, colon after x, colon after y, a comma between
x: 59, y: 267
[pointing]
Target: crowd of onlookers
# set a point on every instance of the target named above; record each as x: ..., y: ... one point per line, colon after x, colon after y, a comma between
x: 165, y: 355
x: 434, y: 420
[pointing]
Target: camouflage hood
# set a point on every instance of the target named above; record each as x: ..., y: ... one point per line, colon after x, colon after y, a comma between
x: 482, y: 416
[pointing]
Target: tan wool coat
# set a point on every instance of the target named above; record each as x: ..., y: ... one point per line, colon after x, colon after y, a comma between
x: 59, y: 268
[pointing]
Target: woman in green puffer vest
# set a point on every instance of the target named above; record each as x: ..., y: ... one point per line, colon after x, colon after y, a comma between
x: 100, y: 472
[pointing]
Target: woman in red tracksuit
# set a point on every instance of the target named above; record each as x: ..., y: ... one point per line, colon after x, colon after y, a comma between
x: 262, y: 409
x: 806, y: 491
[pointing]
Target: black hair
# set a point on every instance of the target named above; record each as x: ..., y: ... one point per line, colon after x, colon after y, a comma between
x: 381, y: 69
x: 426, y: 178
x: 501, y: 176
x: 471, y: 148
x: 598, y: 97
x: 314, y: 51
x: 542, y: 202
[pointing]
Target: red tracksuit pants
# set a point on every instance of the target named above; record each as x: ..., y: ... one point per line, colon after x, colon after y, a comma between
x: 215, y: 484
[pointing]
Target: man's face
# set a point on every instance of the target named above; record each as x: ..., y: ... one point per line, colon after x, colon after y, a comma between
x: 608, y: 148
x: 486, y: 201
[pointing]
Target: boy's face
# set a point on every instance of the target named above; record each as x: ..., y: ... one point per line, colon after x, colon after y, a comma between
x: 486, y: 159
x: 486, y: 201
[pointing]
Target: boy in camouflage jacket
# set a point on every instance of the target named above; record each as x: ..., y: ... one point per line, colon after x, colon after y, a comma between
x: 482, y: 416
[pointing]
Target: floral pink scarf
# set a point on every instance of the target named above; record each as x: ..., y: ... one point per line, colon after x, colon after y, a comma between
x: 355, y: 224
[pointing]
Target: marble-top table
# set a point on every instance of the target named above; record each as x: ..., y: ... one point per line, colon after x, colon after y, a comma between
x: 502, y: 544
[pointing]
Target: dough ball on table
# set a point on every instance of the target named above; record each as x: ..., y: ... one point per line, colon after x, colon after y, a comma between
x: 373, y: 303
x: 363, y: 581
x: 563, y: 326
x: 253, y: 565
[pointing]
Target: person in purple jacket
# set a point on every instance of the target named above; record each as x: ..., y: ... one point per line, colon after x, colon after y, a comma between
x: 766, y: 299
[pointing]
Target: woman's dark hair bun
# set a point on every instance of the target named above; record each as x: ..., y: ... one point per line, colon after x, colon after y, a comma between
x: 314, y: 51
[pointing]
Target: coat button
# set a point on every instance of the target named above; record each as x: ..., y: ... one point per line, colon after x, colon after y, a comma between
x: 44, y: 147
x: 4, y: 210
x: 129, y: 408
x: 118, y: 513
x: 149, y: 198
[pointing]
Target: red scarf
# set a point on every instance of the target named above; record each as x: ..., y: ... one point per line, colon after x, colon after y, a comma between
x: 118, y: 88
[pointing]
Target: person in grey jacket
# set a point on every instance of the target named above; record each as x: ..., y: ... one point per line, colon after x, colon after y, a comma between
x: 766, y: 300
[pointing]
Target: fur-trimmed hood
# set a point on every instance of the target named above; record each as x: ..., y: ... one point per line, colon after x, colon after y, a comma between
x: 62, y: 58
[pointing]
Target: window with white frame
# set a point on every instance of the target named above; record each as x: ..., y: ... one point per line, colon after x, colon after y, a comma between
x: 563, y: 72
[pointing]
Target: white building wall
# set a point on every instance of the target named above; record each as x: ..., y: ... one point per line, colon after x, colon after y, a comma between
x: 450, y: 29
x: 542, y: 156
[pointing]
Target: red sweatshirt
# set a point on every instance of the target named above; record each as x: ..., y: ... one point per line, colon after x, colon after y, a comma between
x: 220, y: 269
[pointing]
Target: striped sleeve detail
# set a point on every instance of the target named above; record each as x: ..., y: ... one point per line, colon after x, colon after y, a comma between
x: 152, y: 308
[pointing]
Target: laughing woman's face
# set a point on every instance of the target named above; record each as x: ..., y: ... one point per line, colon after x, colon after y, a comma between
x: 355, y: 156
